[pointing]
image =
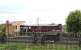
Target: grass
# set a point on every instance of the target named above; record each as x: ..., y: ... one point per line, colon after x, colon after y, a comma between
x: 30, y: 46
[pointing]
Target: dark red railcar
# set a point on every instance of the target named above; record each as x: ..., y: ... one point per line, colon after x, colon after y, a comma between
x: 41, y: 28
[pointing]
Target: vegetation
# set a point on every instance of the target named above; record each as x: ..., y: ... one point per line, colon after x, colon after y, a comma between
x: 2, y: 30
x: 65, y: 28
x: 2, y: 33
x: 73, y: 21
x: 30, y: 46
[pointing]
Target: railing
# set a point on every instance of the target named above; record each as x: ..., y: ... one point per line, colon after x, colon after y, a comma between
x: 66, y: 42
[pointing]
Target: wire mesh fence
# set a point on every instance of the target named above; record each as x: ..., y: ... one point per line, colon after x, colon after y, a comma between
x: 33, y: 42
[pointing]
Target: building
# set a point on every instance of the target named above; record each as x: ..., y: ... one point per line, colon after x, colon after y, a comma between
x: 16, y: 27
x: 13, y: 27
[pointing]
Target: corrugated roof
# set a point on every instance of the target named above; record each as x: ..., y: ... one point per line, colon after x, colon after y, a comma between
x: 42, y: 25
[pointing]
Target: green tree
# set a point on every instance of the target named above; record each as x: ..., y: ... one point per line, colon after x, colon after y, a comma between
x: 64, y: 27
x: 2, y: 33
x: 2, y: 30
x: 73, y: 21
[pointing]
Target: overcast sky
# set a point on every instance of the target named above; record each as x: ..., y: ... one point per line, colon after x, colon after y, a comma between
x: 48, y: 11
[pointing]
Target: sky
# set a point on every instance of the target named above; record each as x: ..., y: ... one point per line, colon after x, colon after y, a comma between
x: 48, y: 11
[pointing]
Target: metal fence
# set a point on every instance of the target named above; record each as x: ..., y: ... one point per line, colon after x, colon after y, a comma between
x: 32, y: 41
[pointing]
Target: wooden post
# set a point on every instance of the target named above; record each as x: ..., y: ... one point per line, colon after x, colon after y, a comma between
x: 7, y: 28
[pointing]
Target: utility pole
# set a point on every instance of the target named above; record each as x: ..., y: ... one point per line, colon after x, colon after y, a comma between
x: 7, y: 30
x: 38, y: 24
x: 38, y: 21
